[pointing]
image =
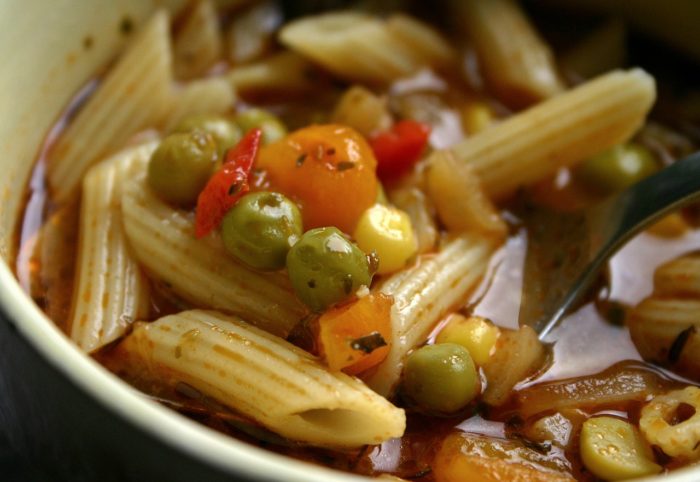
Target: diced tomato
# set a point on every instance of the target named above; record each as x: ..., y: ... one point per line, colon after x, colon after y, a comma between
x: 227, y: 185
x: 399, y: 148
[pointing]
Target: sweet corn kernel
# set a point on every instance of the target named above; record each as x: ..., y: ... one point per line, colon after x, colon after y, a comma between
x: 476, y: 116
x: 476, y: 334
x: 388, y: 232
x: 614, y: 450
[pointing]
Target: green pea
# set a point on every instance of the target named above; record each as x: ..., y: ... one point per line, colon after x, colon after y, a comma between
x: 225, y: 132
x: 272, y: 128
x: 260, y: 228
x: 181, y: 166
x: 326, y: 268
x: 617, y: 168
x: 440, y: 378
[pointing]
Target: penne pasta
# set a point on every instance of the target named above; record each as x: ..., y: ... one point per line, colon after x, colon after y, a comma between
x: 251, y: 33
x: 459, y: 198
x: 207, y: 96
x: 357, y: 46
x: 110, y: 290
x: 200, y: 270
x: 283, y: 72
x: 133, y: 96
x: 264, y: 377
x: 197, y: 44
x: 679, y: 277
x: 559, y: 132
x: 518, y: 64
x: 423, y: 295
x: 664, y: 327
x: 667, y: 331
x: 426, y: 43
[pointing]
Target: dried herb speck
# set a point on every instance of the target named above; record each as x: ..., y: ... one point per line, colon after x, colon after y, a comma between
x: 235, y: 187
x: 674, y: 353
x: 420, y: 474
x: 126, y: 26
x: 344, y: 165
x: 300, y: 160
x: 369, y: 343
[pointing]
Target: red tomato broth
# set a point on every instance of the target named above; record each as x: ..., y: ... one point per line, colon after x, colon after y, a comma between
x: 50, y: 285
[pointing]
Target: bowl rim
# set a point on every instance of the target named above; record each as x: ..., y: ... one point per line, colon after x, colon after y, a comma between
x: 226, y: 453
x: 233, y: 456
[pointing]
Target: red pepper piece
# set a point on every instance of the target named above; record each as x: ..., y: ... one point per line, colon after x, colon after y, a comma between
x: 398, y: 148
x: 227, y: 185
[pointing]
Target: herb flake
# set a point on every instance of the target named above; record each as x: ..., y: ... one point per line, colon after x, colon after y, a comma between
x: 369, y: 343
x: 234, y: 188
x: 674, y: 353
x: 344, y: 166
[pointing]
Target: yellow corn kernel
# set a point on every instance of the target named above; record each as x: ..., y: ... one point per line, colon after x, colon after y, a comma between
x: 476, y: 334
x: 614, y: 450
x: 388, y: 232
x: 476, y: 116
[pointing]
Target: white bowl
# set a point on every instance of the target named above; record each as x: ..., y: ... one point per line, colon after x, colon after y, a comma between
x: 58, y: 407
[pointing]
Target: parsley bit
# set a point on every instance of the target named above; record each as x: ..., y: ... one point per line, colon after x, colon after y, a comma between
x: 369, y: 343
x: 235, y: 187
x: 674, y: 353
x: 300, y: 160
x: 344, y: 166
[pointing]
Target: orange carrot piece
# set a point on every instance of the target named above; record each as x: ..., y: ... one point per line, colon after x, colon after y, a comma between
x: 329, y: 170
x: 355, y: 336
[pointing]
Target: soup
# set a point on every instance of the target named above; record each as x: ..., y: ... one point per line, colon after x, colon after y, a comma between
x: 308, y: 231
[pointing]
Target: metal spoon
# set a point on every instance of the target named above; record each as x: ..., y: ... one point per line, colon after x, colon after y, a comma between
x: 566, y: 251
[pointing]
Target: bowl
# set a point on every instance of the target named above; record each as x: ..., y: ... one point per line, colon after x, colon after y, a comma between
x: 58, y: 408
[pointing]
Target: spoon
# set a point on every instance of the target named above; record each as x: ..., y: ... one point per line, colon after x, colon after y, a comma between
x: 567, y: 250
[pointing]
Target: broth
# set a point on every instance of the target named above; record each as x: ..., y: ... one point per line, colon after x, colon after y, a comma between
x: 584, y: 344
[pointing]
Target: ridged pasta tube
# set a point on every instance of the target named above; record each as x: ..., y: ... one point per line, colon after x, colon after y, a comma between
x: 667, y: 331
x: 110, y: 291
x: 283, y: 72
x: 134, y: 95
x: 559, y: 132
x: 679, y: 277
x: 198, y: 43
x: 263, y: 377
x: 207, y: 96
x: 517, y: 63
x: 665, y: 327
x: 200, y: 270
x: 357, y: 46
x: 423, y: 294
